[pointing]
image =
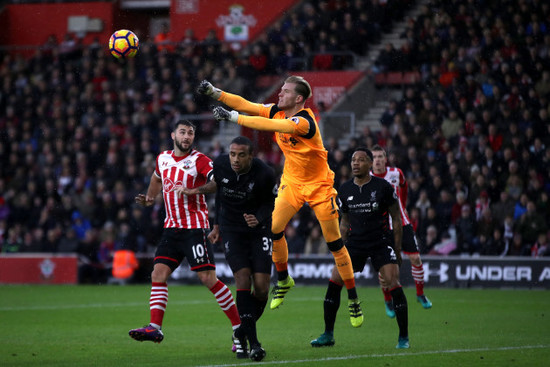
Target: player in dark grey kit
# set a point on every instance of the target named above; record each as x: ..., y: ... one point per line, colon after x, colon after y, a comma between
x: 365, y: 202
x: 245, y: 195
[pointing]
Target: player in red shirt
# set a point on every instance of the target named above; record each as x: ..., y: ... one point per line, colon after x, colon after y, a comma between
x: 185, y: 228
x: 410, y: 247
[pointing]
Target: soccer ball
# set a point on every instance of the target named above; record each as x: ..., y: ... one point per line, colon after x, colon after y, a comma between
x: 123, y: 44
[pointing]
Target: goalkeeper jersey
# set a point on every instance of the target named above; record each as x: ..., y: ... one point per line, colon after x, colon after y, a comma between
x: 305, y: 154
x: 298, y: 136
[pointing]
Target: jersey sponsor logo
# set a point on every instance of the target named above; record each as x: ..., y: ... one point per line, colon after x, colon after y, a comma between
x: 168, y: 185
x: 286, y: 140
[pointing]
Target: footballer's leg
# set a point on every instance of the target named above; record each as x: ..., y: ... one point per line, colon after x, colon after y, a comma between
x: 245, y: 305
x: 201, y: 262
x: 157, y: 305
x: 168, y: 256
x: 282, y: 213
x: 227, y: 304
x: 417, y: 270
x: 390, y: 312
x: 259, y: 300
x: 223, y: 295
x: 331, y: 232
x: 331, y: 304
x: 410, y: 248
x: 261, y: 278
x: 390, y: 272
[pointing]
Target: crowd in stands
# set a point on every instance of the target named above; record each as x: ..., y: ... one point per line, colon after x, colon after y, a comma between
x: 472, y: 136
x: 80, y: 130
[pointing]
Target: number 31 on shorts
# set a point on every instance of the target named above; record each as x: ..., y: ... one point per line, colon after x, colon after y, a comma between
x: 267, y: 244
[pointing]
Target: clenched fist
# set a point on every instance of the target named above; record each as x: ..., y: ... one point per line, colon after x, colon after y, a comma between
x: 221, y: 114
x: 206, y: 88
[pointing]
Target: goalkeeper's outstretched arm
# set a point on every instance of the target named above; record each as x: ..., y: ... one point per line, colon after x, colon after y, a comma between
x: 257, y: 122
x: 232, y: 100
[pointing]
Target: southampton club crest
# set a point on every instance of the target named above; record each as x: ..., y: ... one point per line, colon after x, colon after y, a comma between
x: 236, y: 24
x: 47, y: 268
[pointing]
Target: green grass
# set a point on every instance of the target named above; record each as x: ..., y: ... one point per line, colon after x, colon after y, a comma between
x: 88, y: 326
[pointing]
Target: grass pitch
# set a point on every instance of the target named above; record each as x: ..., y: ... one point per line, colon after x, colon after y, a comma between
x: 88, y: 326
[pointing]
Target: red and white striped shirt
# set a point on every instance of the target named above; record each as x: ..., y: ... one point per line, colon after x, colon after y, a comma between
x: 396, y: 178
x: 189, y: 171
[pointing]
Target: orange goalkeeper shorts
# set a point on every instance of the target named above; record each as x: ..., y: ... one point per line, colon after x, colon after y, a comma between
x: 321, y: 197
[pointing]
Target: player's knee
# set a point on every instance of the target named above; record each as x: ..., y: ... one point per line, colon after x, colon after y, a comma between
x: 242, y: 278
x: 335, y: 245
x: 278, y: 236
x: 207, y: 278
x: 160, y: 273
x: 415, y: 259
x: 390, y: 275
x: 335, y: 277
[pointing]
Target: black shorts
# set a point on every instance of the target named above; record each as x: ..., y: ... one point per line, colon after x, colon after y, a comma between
x: 380, y: 254
x: 177, y: 244
x: 409, y: 245
x: 248, y: 250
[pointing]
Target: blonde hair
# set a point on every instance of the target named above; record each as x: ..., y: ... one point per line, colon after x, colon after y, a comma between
x: 302, y: 86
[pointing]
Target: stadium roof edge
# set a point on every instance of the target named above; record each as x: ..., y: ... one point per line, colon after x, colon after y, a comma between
x: 147, y: 4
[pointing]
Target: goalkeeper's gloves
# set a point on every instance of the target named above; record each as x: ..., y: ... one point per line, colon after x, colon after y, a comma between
x: 206, y: 88
x: 221, y: 113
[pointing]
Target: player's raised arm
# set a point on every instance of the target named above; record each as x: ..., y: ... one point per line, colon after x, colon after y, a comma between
x: 257, y: 122
x: 232, y: 100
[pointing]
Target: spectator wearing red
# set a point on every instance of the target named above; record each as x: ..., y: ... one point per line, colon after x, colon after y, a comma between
x: 163, y: 40
x: 495, y: 138
x: 258, y: 59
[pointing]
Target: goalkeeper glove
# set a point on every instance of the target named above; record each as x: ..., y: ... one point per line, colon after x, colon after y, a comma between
x: 206, y: 88
x: 221, y: 113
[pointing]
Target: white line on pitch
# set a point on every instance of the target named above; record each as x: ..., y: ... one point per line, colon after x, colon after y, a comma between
x: 365, y: 356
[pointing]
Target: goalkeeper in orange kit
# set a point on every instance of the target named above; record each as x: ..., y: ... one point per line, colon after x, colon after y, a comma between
x: 306, y: 176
